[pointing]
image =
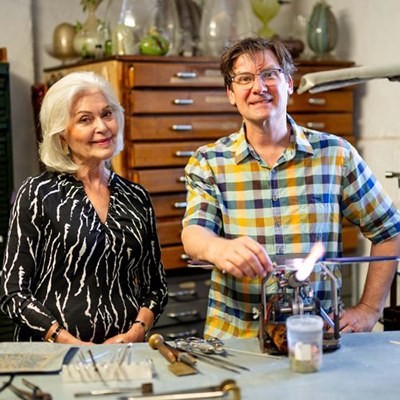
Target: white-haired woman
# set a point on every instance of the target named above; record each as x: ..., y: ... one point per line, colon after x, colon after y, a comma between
x: 82, y: 262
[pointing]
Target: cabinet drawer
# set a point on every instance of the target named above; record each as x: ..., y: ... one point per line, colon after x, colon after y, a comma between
x: 190, y: 311
x: 161, y: 154
x: 160, y: 180
x: 338, y: 124
x: 181, y: 330
x: 191, y: 286
x: 169, y: 205
x: 341, y: 101
x: 179, y: 101
x: 175, y: 75
x: 183, y: 127
x: 174, y: 257
x: 350, y: 238
x: 169, y: 231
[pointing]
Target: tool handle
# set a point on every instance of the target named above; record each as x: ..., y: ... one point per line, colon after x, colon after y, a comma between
x: 181, y: 356
x: 156, y: 341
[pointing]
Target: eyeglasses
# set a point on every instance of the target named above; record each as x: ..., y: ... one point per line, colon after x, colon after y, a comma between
x: 269, y: 76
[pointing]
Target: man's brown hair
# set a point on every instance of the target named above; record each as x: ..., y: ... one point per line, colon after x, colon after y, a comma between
x: 252, y: 46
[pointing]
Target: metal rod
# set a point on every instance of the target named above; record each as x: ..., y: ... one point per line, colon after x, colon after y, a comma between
x: 96, y: 368
x: 336, y: 331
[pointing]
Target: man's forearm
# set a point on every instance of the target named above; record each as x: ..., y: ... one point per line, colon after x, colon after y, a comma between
x: 199, y: 242
x: 380, y: 275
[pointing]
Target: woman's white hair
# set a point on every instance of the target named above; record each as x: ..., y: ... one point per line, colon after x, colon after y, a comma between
x: 55, y: 115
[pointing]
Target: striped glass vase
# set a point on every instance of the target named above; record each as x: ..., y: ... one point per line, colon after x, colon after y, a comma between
x: 322, y: 30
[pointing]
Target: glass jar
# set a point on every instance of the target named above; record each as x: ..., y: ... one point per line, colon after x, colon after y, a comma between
x: 162, y: 35
x: 224, y: 21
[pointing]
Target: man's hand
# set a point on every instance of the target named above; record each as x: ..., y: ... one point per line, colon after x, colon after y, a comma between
x: 360, y: 318
x: 241, y: 257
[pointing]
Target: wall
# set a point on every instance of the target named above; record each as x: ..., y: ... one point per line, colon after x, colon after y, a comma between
x: 16, y: 36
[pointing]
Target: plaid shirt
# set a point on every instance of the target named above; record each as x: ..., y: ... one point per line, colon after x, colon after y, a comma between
x: 318, y: 180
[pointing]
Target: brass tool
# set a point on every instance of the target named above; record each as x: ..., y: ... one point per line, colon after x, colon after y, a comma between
x: 145, y: 388
x: 178, y: 368
x: 213, y: 392
x: 36, y: 393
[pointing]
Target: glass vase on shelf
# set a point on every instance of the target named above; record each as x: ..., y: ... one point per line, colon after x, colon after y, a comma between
x: 86, y: 38
x: 265, y: 11
x: 222, y: 22
x: 162, y: 34
x: 129, y: 30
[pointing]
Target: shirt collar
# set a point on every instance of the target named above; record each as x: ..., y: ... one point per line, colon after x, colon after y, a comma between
x: 298, y: 141
x: 299, y: 138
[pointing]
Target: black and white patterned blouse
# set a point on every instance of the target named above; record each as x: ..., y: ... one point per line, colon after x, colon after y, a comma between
x: 62, y: 263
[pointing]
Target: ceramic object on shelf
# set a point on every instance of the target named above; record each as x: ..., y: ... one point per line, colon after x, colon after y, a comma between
x: 62, y: 47
x: 86, y: 38
x: 322, y: 30
x: 265, y: 10
x: 222, y: 22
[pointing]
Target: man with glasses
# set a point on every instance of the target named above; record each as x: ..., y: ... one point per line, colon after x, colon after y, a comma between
x: 275, y: 188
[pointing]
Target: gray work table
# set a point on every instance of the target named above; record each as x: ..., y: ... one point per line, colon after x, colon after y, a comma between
x: 367, y: 366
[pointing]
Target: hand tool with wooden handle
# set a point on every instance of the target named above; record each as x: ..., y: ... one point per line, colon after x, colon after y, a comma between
x: 156, y: 341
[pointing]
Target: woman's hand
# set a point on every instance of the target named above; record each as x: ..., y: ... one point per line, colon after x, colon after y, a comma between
x: 136, y: 335
x: 64, y: 337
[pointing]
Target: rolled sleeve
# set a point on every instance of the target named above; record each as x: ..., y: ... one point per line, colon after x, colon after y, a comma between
x: 202, y: 208
x: 366, y: 204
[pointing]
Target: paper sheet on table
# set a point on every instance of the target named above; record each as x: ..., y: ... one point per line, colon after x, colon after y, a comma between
x: 23, y: 357
x: 328, y: 80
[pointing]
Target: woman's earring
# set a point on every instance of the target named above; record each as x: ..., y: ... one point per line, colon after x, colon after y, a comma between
x: 65, y: 149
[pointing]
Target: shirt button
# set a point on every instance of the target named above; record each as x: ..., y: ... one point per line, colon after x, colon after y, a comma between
x: 273, y: 171
x: 277, y: 224
x: 275, y: 198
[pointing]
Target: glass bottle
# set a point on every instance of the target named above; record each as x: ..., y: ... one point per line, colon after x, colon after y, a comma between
x: 86, y: 39
x: 222, y: 22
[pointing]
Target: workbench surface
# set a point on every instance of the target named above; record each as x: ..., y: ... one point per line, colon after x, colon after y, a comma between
x: 367, y: 366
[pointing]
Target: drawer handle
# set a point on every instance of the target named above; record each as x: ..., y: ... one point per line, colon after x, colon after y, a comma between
x: 173, y: 336
x: 182, y: 127
x: 182, y: 293
x: 183, y: 102
x: 184, y: 153
x: 183, y: 314
x: 186, y: 75
x: 181, y: 204
x: 317, y: 101
x: 182, y: 179
x: 316, y: 125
